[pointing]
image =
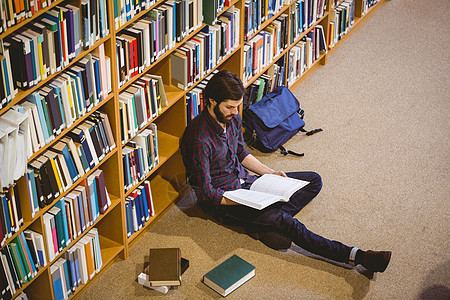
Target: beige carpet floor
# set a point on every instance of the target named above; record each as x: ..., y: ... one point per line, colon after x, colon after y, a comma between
x: 383, y: 101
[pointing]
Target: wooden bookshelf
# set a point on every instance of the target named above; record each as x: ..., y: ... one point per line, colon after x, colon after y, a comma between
x: 167, y: 179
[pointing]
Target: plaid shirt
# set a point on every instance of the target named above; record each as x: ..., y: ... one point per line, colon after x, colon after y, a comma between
x: 213, y: 157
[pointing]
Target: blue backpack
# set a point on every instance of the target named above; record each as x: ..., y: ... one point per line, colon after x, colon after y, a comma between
x: 272, y: 121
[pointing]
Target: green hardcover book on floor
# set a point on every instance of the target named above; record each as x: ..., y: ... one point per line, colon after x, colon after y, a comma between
x: 229, y: 275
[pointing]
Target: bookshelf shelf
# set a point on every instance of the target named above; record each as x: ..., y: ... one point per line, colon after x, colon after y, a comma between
x: 167, y: 179
x: 110, y: 249
x: 139, y: 15
x: 267, y: 22
x: 164, y: 193
x: 65, y: 131
x: 26, y: 21
x: 22, y: 94
x: 168, y: 146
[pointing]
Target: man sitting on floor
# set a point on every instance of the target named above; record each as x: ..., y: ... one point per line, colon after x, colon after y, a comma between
x: 216, y: 161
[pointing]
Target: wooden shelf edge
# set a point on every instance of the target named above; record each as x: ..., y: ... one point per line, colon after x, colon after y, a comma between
x: 106, y: 264
x: 21, y: 95
x: 17, y: 26
x: 167, y: 149
x: 357, y: 22
x: 66, y: 130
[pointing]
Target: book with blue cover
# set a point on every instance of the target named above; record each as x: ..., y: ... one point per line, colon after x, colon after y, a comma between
x: 57, y: 283
x: 229, y: 275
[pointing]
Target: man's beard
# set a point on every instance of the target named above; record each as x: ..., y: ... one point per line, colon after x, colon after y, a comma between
x: 220, y: 116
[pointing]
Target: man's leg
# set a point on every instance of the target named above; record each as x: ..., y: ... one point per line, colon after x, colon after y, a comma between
x: 278, y: 220
x: 303, y: 196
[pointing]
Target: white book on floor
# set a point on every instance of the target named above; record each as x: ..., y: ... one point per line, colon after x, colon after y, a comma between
x: 145, y: 281
x: 266, y: 190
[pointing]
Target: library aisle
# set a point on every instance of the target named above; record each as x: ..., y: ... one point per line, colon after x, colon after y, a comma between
x: 383, y: 101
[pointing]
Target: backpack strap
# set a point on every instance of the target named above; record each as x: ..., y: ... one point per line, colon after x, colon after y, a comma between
x: 286, y: 152
x: 311, y: 132
x: 301, y: 112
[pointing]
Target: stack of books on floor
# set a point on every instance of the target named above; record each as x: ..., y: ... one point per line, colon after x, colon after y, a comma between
x: 163, y: 270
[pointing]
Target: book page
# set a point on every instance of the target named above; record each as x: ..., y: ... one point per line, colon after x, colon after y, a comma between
x: 255, y: 199
x: 278, y: 185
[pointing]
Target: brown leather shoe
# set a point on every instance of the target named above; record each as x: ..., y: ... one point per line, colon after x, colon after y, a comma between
x: 376, y: 261
x: 272, y: 240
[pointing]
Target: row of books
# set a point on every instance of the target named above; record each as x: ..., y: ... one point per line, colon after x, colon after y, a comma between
x: 341, y: 20
x: 368, y: 4
x: 140, y: 156
x: 35, y: 122
x: 199, y: 55
x: 139, y: 208
x: 125, y: 10
x: 211, y: 8
x: 298, y: 19
x: 256, y: 12
x: 14, y: 12
x: 194, y: 98
x: 263, y: 85
x: 277, y: 72
x: 55, y: 170
x: 76, y: 266
x: 15, y: 147
x: 146, y: 40
x: 20, y: 260
x: 10, y: 213
x: 305, y: 53
x: 48, y: 45
x: 72, y: 215
x: 313, y: 10
x: 8, y: 89
x: 265, y: 46
x: 65, y: 99
x: 139, y: 103
x: 272, y: 78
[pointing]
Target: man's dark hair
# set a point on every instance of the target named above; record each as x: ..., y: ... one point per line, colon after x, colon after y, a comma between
x: 222, y: 86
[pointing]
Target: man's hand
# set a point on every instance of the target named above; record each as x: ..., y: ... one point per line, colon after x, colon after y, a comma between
x: 226, y: 201
x: 253, y: 164
x: 279, y: 173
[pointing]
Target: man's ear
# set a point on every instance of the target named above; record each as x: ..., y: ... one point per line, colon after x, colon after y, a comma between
x: 212, y: 102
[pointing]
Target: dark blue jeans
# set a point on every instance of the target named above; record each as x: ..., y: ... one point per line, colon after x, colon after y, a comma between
x: 279, y: 217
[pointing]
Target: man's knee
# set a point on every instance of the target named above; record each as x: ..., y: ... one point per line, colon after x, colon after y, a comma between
x: 316, y: 181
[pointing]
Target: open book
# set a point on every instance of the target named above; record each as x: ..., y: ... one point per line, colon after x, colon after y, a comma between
x: 266, y: 190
